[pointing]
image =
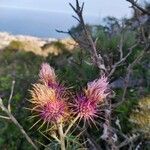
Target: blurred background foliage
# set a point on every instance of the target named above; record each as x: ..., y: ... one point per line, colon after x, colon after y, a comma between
x: 74, y: 69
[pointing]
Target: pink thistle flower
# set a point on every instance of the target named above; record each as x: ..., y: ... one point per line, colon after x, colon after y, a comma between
x: 86, y: 106
x: 85, y: 109
x: 48, y: 77
x: 48, y: 104
x: 54, y: 111
x: 47, y: 74
x: 41, y: 94
x: 97, y: 90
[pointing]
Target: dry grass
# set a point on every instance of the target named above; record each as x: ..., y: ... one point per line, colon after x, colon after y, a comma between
x: 54, y: 47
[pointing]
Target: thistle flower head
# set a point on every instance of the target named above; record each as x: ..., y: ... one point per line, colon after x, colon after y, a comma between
x: 49, y: 98
x: 54, y: 111
x: 48, y: 104
x: 87, y: 105
x: 85, y: 109
x: 47, y: 74
x: 97, y: 90
x: 48, y: 78
x: 41, y: 94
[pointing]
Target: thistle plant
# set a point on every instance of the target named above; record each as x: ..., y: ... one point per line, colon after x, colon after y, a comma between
x: 54, y: 109
x: 87, y: 103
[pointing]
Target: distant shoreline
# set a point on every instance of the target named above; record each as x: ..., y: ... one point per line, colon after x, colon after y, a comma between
x: 6, y: 38
x: 5, y: 33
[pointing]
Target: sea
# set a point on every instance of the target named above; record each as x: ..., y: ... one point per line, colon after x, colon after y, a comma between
x: 39, y: 23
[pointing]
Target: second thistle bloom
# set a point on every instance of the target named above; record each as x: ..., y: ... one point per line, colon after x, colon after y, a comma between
x: 97, y: 90
x: 85, y: 109
x: 87, y: 105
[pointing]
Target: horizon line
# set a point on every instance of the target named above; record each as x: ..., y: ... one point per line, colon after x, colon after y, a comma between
x: 47, y: 10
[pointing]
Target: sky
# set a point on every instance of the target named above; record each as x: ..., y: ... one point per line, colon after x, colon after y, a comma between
x: 99, y: 8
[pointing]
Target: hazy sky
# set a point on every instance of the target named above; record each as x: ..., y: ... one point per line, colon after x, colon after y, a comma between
x: 101, y: 8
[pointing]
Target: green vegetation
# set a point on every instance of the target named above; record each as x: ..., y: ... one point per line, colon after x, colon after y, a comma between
x: 141, y: 117
x: 21, y: 62
x: 23, y: 67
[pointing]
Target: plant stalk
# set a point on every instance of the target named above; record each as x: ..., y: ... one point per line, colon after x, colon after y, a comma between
x: 62, y: 137
x: 71, y: 124
x: 13, y: 119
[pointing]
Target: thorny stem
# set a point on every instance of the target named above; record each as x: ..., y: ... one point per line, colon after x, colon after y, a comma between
x: 56, y: 138
x: 72, y: 123
x: 61, y: 135
x: 13, y: 119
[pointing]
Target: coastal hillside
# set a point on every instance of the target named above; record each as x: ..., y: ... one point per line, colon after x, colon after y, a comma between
x: 39, y: 46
